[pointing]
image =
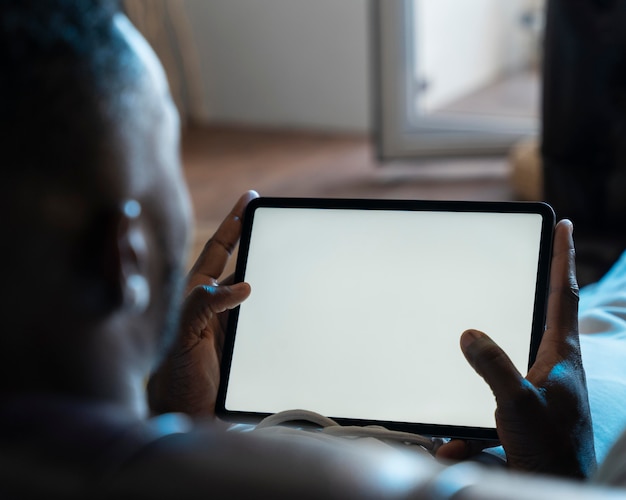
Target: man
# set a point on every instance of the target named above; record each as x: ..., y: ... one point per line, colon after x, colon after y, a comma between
x: 96, y: 221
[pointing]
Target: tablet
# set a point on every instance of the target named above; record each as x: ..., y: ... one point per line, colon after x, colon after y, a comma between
x: 357, y: 308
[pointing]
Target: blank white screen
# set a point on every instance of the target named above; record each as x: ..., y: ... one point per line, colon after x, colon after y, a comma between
x: 358, y: 314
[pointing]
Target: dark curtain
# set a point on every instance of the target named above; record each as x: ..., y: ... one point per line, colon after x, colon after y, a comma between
x: 584, y: 114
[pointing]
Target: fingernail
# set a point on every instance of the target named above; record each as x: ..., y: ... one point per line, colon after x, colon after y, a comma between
x: 468, y: 337
x: 210, y: 289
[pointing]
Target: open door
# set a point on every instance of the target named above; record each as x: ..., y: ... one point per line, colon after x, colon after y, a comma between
x: 456, y: 77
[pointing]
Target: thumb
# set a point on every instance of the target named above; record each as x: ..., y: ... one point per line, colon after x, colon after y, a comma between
x: 215, y: 298
x: 221, y: 298
x: 491, y: 363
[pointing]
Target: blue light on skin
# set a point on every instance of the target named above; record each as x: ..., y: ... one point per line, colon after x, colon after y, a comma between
x: 170, y: 423
x: 210, y: 289
x: 559, y: 372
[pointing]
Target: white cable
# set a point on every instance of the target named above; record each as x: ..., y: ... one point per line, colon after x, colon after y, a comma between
x: 329, y: 427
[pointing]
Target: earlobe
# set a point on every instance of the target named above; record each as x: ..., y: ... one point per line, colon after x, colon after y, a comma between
x: 137, y: 296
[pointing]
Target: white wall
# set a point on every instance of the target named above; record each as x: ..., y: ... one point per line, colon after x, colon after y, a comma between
x: 298, y: 63
x: 461, y: 46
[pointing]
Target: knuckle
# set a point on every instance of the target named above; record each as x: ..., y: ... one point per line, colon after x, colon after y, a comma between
x: 574, y: 355
x: 485, y: 355
x: 569, y: 294
x: 227, y: 246
x: 573, y: 282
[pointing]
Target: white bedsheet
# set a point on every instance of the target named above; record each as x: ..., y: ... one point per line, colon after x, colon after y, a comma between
x: 603, y: 343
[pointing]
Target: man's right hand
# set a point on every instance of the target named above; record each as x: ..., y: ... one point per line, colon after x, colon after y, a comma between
x: 188, y: 379
x: 543, y: 420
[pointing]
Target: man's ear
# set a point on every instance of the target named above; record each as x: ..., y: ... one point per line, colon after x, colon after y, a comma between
x: 132, y: 259
x: 121, y: 262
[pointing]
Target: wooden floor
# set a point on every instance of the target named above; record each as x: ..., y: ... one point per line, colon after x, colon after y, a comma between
x: 221, y: 163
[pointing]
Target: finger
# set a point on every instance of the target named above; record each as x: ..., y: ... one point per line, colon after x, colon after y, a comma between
x: 491, y: 363
x: 456, y: 449
x: 207, y: 300
x: 223, y: 298
x: 562, y: 316
x: 219, y: 248
x: 461, y: 449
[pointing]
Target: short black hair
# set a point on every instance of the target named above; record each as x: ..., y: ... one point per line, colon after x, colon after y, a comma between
x: 62, y: 64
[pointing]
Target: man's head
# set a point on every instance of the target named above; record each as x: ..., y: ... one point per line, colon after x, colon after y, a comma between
x: 95, y: 211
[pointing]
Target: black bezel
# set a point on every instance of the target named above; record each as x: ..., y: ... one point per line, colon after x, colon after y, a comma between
x: 541, y: 292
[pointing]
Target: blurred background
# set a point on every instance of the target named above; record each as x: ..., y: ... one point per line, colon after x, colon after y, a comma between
x: 411, y: 99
